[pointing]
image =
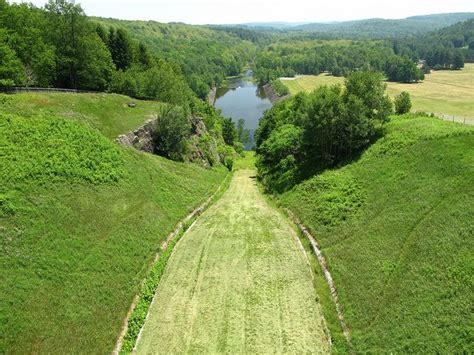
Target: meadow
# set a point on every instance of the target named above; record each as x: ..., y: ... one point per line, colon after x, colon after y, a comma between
x: 442, y: 92
x: 81, y: 218
x: 395, y: 227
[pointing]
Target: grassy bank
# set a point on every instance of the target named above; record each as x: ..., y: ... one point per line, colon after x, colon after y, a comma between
x: 107, y: 113
x: 80, y: 221
x: 396, y: 229
x: 447, y: 92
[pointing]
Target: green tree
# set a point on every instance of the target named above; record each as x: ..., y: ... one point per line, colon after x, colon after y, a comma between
x: 121, y: 48
x: 370, y: 88
x: 12, y: 71
x: 458, y: 61
x: 402, y: 103
x: 67, y: 30
x: 243, y: 134
x: 96, y: 71
x: 229, y: 132
x: 162, y: 83
x: 173, y: 128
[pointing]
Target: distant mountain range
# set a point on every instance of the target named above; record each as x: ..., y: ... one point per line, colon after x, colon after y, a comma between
x: 372, y: 27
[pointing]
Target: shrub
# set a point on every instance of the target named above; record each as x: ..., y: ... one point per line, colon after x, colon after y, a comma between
x: 172, y: 130
x: 402, y: 103
x: 50, y: 149
x: 280, y: 88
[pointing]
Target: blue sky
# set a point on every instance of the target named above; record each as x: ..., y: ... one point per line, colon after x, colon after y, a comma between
x: 241, y: 11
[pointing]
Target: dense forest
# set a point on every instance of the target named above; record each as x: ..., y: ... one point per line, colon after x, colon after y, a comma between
x: 382, y: 28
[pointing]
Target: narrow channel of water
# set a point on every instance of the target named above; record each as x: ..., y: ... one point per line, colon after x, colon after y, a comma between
x: 242, y: 98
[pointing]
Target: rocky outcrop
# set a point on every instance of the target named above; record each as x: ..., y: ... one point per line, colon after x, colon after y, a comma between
x: 201, y: 147
x: 142, y: 138
x: 211, y: 97
x: 272, y: 95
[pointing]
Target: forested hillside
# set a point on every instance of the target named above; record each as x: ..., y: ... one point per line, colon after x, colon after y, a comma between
x: 381, y: 28
x: 205, y: 55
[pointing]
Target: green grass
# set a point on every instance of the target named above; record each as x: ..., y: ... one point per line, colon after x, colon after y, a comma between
x: 237, y: 282
x: 245, y: 162
x: 396, y: 229
x: 308, y: 83
x: 107, y: 113
x: 81, y: 219
x: 445, y: 92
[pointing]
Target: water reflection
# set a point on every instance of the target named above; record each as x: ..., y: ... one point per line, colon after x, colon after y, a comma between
x: 242, y: 98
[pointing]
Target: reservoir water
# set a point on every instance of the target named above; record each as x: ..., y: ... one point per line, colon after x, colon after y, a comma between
x: 242, y: 98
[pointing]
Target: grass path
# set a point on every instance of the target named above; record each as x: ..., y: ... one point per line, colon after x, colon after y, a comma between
x: 238, y: 282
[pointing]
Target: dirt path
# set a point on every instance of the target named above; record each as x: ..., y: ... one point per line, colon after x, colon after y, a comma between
x: 237, y: 283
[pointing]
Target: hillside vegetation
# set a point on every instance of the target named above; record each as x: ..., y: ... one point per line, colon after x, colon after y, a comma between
x: 396, y: 229
x: 446, y: 92
x: 205, y: 55
x: 382, y: 28
x: 81, y: 218
x: 107, y: 113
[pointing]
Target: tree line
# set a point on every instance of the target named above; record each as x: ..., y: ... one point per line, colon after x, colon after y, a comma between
x: 401, y: 59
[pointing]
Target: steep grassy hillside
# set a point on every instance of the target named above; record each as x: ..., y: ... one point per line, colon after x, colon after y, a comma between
x: 108, y: 113
x: 396, y: 228
x: 80, y: 220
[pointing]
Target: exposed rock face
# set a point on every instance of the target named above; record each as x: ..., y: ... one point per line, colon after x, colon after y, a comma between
x: 272, y: 95
x: 201, y: 147
x: 142, y: 138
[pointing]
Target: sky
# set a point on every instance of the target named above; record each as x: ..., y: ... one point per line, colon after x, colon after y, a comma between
x: 243, y: 11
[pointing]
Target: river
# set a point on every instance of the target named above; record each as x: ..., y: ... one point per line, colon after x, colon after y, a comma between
x: 242, y: 98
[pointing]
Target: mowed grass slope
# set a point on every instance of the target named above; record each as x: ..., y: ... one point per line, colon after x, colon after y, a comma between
x: 449, y: 92
x: 81, y: 218
x: 396, y: 227
x: 308, y: 83
x: 107, y: 113
x: 237, y: 282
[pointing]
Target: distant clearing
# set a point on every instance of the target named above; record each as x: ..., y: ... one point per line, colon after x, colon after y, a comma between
x: 444, y: 92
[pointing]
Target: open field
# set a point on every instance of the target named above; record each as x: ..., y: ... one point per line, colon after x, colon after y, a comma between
x: 237, y: 282
x: 443, y: 92
x: 81, y: 218
x: 310, y: 82
x: 108, y: 113
x: 396, y: 229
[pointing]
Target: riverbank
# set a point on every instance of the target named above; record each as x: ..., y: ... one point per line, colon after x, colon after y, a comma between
x: 211, y: 97
x: 272, y: 95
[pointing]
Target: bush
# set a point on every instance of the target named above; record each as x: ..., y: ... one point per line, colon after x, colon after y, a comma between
x: 52, y: 149
x: 172, y: 130
x: 280, y: 88
x: 402, y: 103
